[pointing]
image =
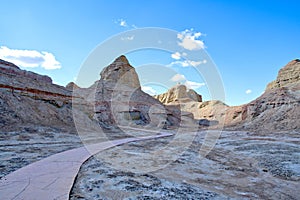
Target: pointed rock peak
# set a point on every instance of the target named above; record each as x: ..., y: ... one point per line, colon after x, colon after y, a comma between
x: 180, y: 87
x: 293, y: 62
x: 121, y: 59
x: 72, y: 86
x: 120, y: 71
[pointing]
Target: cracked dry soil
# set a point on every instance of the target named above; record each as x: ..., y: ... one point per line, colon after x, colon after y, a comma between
x: 243, y: 165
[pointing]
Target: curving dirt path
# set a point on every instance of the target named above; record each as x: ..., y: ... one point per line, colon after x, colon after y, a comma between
x: 53, y: 177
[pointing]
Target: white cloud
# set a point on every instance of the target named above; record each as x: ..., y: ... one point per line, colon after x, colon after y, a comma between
x: 188, y: 84
x: 176, y: 55
x: 187, y: 63
x: 193, y: 85
x: 178, y: 77
x: 149, y: 90
x: 128, y: 38
x: 248, y: 91
x: 189, y: 40
x: 29, y: 58
x: 122, y: 22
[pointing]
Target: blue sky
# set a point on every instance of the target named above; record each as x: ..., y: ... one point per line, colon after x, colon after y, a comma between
x: 249, y: 40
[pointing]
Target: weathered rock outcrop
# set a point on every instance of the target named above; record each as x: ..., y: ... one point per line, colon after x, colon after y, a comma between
x: 189, y: 101
x: 287, y: 76
x: 277, y: 109
x: 117, y: 100
x: 30, y: 99
x: 122, y: 72
x: 179, y: 93
x: 71, y: 86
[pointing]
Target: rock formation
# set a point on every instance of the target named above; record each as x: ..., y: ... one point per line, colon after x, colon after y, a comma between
x: 122, y: 72
x: 287, y: 76
x: 189, y: 101
x: 30, y: 99
x: 179, y: 93
x: 117, y: 100
x: 277, y: 109
x: 71, y: 86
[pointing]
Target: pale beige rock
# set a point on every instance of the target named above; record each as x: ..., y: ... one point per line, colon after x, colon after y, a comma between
x: 121, y: 72
x: 277, y: 109
x: 289, y: 74
x: 117, y: 99
x: 178, y: 93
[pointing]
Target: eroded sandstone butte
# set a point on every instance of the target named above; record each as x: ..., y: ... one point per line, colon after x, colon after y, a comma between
x: 278, y: 108
x: 117, y: 100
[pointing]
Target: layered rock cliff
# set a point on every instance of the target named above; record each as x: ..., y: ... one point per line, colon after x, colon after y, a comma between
x: 287, y: 76
x: 277, y: 109
x: 117, y: 100
x: 30, y: 99
x: 179, y: 93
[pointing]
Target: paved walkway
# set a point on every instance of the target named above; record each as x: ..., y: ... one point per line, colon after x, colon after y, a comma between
x: 53, y: 177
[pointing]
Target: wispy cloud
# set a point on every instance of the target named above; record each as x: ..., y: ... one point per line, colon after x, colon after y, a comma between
x: 149, y: 90
x: 29, y: 58
x: 123, y: 23
x: 176, y: 56
x: 187, y: 63
x: 134, y: 26
x: 248, y: 91
x: 128, y: 38
x: 178, y: 77
x: 189, y: 40
x: 189, y: 84
x: 193, y: 85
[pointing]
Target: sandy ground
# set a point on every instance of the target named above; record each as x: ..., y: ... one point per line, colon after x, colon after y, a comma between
x: 242, y: 165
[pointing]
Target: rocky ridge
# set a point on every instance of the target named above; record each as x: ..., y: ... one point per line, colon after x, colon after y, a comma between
x: 30, y: 99
x: 277, y: 109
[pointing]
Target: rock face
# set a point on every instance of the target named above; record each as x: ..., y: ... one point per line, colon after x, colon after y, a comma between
x: 117, y: 100
x: 30, y: 99
x: 179, y: 93
x: 207, y: 113
x: 122, y: 72
x: 277, y: 109
x: 71, y: 86
x: 287, y: 76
